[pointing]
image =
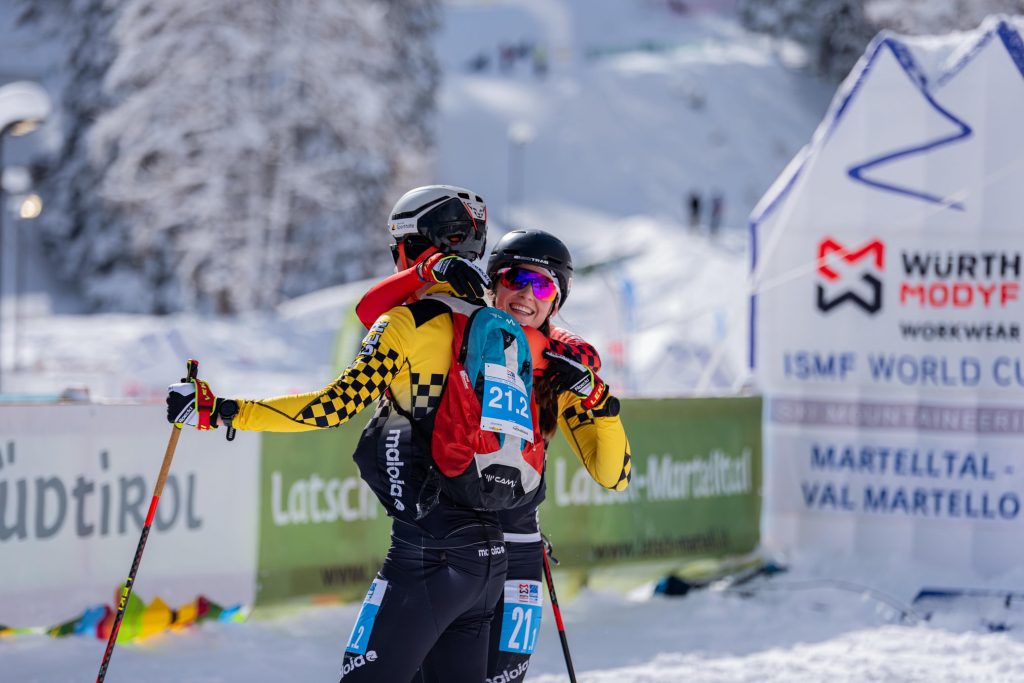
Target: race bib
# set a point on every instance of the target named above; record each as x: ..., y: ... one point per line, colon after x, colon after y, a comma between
x: 506, y: 405
x: 367, y: 614
x: 520, y: 621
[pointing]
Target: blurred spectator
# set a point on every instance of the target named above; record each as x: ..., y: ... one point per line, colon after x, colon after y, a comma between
x: 479, y: 63
x: 678, y: 7
x: 694, y: 207
x: 540, y: 62
x: 506, y: 57
x: 717, y: 207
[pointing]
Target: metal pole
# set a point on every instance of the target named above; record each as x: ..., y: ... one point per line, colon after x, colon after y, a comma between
x: 3, y: 253
x: 510, y: 198
x: 520, y: 179
x: 519, y: 136
x: 516, y: 179
x: 17, y: 251
x: 23, y: 105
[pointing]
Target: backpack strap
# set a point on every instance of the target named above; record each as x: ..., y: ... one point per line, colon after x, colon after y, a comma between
x: 456, y: 304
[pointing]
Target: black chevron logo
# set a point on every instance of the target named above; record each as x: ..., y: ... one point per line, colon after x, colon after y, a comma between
x: 826, y: 304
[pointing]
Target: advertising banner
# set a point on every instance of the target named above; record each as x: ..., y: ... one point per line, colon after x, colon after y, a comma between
x: 76, y: 482
x: 695, y: 488
x: 322, y: 530
x: 887, y: 314
x: 939, y: 486
x: 695, y: 492
x: 270, y: 517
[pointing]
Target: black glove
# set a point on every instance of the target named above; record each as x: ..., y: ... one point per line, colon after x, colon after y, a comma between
x: 466, y: 279
x: 566, y: 374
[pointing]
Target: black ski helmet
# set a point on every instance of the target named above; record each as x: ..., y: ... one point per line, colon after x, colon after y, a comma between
x: 536, y: 248
x: 452, y: 219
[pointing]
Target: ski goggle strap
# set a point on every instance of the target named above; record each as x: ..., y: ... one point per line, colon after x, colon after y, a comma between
x: 408, y: 252
x: 544, y: 288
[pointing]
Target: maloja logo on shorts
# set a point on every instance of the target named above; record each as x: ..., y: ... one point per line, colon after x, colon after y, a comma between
x: 835, y: 291
x: 509, y: 675
x: 493, y: 550
x: 350, y: 665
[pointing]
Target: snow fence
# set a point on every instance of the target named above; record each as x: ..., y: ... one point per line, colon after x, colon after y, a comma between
x: 274, y: 517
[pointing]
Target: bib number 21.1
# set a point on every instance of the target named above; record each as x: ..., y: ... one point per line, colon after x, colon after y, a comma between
x: 520, y: 620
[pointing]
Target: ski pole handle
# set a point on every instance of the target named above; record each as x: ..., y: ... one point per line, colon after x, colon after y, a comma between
x: 191, y: 369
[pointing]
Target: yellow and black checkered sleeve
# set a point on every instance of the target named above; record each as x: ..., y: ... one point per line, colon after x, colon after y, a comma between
x: 359, y: 385
x: 599, y: 441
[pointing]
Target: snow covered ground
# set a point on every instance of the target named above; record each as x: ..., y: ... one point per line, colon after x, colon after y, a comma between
x: 783, y: 629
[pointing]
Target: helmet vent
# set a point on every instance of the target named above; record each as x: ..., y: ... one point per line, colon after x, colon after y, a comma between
x: 417, y: 211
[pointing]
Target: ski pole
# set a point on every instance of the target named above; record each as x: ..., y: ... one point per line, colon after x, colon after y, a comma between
x: 556, y: 610
x: 126, y: 590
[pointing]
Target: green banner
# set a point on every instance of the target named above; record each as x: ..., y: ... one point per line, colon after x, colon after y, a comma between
x: 322, y: 530
x: 695, y: 489
x: 695, y: 493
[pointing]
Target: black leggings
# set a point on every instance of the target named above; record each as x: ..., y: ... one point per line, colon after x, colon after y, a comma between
x: 513, y: 631
x: 429, y: 609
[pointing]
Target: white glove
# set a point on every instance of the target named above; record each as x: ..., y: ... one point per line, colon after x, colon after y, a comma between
x: 181, y: 404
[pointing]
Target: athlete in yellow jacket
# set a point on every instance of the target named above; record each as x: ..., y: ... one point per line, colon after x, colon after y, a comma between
x: 432, y: 601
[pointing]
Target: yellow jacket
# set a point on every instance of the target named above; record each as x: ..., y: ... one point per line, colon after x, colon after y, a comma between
x: 408, y: 350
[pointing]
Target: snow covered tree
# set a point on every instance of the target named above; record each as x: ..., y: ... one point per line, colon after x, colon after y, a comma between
x: 837, y: 31
x: 247, y: 151
x: 834, y: 31
x: 924, y: 17
x: 75, y: 214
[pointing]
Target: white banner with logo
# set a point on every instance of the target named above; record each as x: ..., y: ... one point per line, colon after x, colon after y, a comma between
x: 75, y: 486
x: 886, y: 335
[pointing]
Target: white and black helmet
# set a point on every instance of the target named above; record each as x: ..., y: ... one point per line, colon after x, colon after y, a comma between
x: 452, y: 219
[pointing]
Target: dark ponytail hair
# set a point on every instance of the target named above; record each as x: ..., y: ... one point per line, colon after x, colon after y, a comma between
x: 547, y: 397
